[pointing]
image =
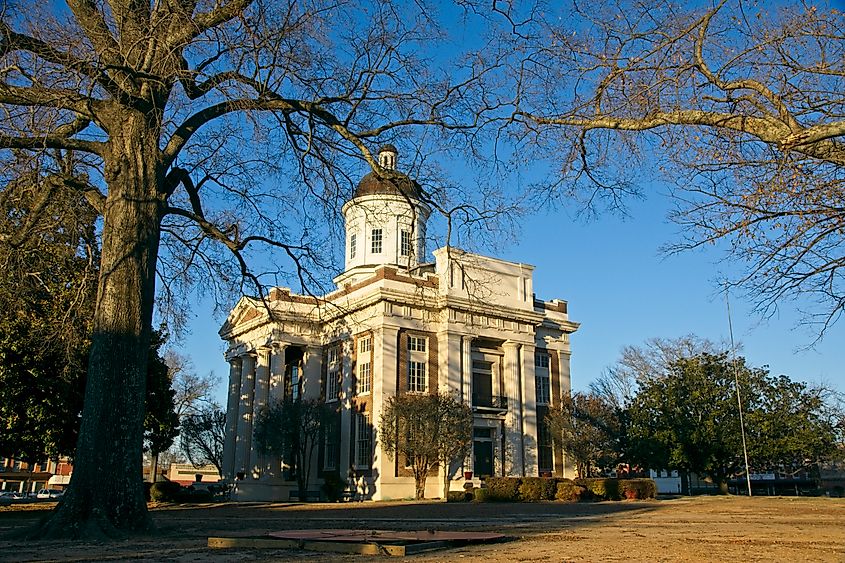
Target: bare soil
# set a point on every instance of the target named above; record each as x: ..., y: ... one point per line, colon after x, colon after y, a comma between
x: 693, y: 529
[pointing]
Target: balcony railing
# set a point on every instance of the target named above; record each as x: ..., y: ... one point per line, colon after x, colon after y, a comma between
x: 492, y: 403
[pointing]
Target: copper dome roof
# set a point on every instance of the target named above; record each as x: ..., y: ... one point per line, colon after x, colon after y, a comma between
x: 402, y: 186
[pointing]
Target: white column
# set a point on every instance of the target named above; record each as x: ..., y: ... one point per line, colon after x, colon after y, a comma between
x: 466, y: 368
x: 346, y: 404
x: 311, y: 372
x: 565, y: 375
x: 244, y: 439
x: 232, y: 407
x: 513, y: 418
x: 276, y: 394
x: 277, y: 373
x: 529, y: 412
x: 262, y: 389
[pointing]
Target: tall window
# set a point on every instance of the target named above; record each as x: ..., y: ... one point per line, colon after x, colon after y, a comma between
x: 293, y: 382
x: 416, y: 343
x: 332, y: 375
x: 363, y: 441
x: 364, y: 378
x: 405, y: 244
x: 330, y: 451
x: 416, y: 377
x: 376, y: 241
x: 542, y: 386
x: 353, y: 243
x: 365, y: 344
x: 545, y: 459
x: 417, y: 360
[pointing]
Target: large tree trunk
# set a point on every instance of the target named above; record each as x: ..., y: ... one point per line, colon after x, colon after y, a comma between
x: 106, y: 492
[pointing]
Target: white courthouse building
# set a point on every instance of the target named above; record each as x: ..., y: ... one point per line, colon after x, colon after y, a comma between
x: 464, y: 324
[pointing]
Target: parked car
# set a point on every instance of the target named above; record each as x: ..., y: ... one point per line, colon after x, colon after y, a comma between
x: 8, y: 497
x: 49, y: 494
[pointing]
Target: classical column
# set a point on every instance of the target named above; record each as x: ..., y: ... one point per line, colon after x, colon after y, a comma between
x: 529, y: 412
x: 466, y: 368
x: 344, y: 462
x: 565, y: 377
x: 261, y: 396
x: 244, y: 439
x: 277, y: 373
x: 311, y: 373
x: 275, y: 395
x: 514, y: 465
x: 232, y: 406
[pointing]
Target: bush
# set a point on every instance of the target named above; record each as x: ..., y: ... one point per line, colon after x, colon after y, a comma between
x: 459, y: 496
x: 480, y: 495
x: 165, y: 491
x: 601, y: 487
x: 638, y: 488
x: 568, y: 491
x: 333, y: 487
x: 200, y: 495
x: 503, y: 489
x: 535, y: 489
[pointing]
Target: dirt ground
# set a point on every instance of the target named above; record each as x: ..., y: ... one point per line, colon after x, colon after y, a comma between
x: 686, y: 529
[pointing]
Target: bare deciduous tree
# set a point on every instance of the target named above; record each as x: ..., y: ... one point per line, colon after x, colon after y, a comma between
x: 158, y: 102
x: 202, y: 435
x: 619, y: 383
x: 426, y: 430
x: 740, y: 103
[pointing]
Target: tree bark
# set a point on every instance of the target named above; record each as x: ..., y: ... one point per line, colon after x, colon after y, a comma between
x: 419, y: 487
x: 106, y: 492
x: 445, y: 480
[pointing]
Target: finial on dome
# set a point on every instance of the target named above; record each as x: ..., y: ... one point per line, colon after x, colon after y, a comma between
x: 387, y: 157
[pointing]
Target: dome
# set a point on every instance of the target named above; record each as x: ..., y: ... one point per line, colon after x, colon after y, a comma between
x: 373, y: 185
x: 401, y: 186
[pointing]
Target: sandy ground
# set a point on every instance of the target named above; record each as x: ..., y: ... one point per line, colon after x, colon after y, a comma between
x: 687, y: 529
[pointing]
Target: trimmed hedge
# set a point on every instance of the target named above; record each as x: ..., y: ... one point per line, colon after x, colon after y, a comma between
x: 459, y: 496
x: 536, y: 489
x: 165, y: 491
x: 479, y: 495
x: 637, y: 488
x: 503, y: 489
x: 568, y: 491
x: 601, y: 488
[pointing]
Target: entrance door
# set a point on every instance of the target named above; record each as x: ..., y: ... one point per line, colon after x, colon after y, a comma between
x: 482, y: 452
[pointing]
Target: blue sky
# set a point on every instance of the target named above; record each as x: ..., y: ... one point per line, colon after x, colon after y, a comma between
x: 622, y: 290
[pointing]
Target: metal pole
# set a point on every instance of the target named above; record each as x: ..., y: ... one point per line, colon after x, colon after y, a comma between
x: 738, y: 399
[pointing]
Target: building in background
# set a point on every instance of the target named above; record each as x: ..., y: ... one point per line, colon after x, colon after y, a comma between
x: 464, y: 324
x: 21, y: 477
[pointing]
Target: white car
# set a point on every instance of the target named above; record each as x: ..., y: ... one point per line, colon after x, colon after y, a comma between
x: 50, y: 494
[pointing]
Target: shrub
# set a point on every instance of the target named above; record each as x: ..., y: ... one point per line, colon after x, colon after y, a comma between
x: 535, y: 489
x: 503, y: 489
x: 480, y: 495
x: 165, y: 491
x: 459, y: 496
x: 568, y: 491
x: 638, y: 488
x: 200, y: 495
x: 333, y: 487
x: 602, y: 488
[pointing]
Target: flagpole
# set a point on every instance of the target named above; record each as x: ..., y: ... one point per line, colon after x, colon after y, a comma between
x: 738, y: 398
